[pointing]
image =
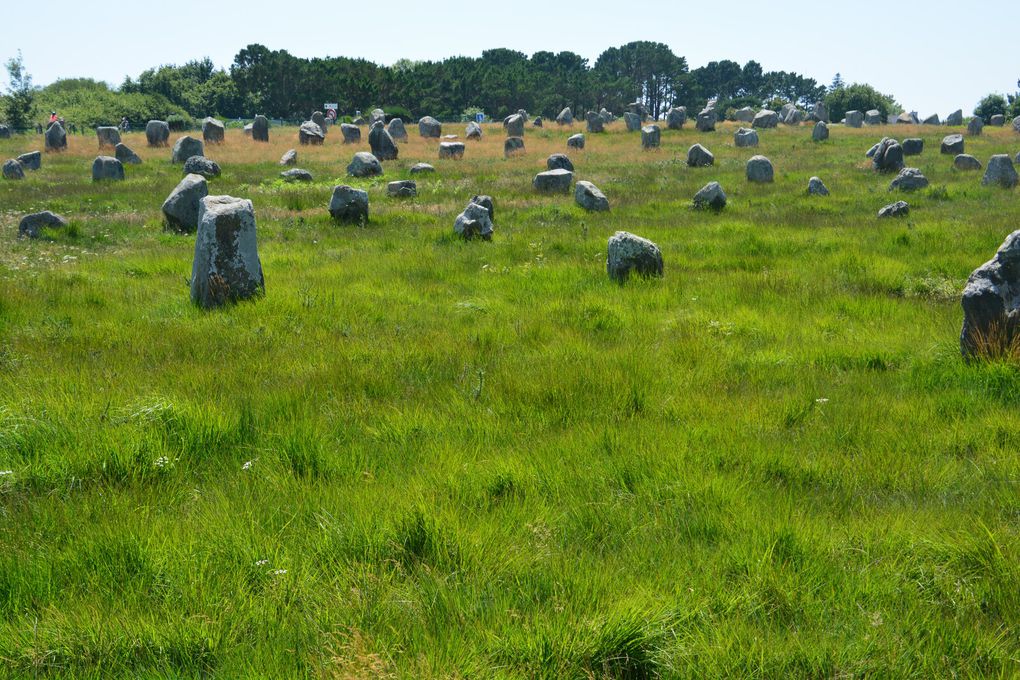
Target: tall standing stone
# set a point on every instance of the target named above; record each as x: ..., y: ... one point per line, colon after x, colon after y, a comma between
x: 989, y: 301
x: 213, y: 131
x: 319, y: 120
x: 955, y: 118
x: 185, y: 148
x: 108, y: 136
x: 594, y: 122
x: 157, y: 133
x: 1000, y: 172
x: 632, y: 121
x: 430, y: 128
x: 651, y: 137
x: 473, y: 130
x: 854, y: 119
x: 351, y: 133
x: 397, y: 130
x: 56, y: 138
x: 765, y: 119
x: 565, y: 117
x: 382, y: 144
x: 706, y: 121
x: 676, y: 117
x: 310, y: 133
x: 260, y: 129
x: 820, y: 132
x: 226, y: 267
x: 975, y: 126
x: 180, y: 209
x: 514, y: 125
x: 348, y: 204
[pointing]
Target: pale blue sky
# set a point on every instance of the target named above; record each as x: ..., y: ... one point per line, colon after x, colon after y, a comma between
x: 934, y: 57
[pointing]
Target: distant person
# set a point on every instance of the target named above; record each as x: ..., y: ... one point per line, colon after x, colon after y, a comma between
x: 53, y: 119
x: 124, y: 124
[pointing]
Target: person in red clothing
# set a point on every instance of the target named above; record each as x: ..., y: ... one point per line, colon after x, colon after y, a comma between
x: 53, y: 119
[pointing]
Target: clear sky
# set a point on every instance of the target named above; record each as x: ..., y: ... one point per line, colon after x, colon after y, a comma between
x: 933, y: 57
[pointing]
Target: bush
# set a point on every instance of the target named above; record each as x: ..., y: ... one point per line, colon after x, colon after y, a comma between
x: 991, y: 105
x: 398, y: 112
x: 859, y: 97
x: 90, y: 103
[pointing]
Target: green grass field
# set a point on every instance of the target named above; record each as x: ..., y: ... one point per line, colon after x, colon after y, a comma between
x: 418, y: 457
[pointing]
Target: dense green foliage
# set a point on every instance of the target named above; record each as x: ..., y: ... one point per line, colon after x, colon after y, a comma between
x: 425, y: 458
x: 859, y: 97
x: 20, y: 95
x: 89, y: 103
x: 991, y: 105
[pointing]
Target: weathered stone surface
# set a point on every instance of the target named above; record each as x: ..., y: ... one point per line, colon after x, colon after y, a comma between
x: 449, y: 137
x: 247, y: 129
x: 397, y: 130
x: 260, y: 129
x: 909, y: 179
x: 744, y: 115
x: 180, y: 209
x: 351, y: 133
x: 990, y: 302
x: 565, y: 117
x: 594, y: 122
x: 710, y: 196
x: 107, y: 167
x: 1016, y: 124
x: 452, y: 150
x: 5, y: 132
x: 975, y: 126
x: 606, y: 116
x: 632, y: 121
x: 487, y: 203
x: 706, y: 121
x: 651, y: 137
x: 907, y: 118
x: 854, y: 119
x: 820, y: 113
x: 514, y: 125
x: 816, y: 187
x: 296, y: 175
x: 759, y: 170
x: 794, y: 117
x: 56, y: 138
x: 348, y: 204
x: 952, y: 145
x: 955, y: 118
x: 430, y: 128
x: 421, y: 168
x: 676, y: 117
x: 820, y: 132
x: 31, y: 225
x: 185, y: 148
x: 310, y: 133
x: 553, y: 181
x: 212, y: 131
x: 965, y: 161
x: 382, y: 144
x: 473, y: 131
x: 537, y: 122
x: 575, y: 141
x: 364, y: 164
x: 474, y: 222
x: 31, y: 160
x: 108, y: 136
x: 403, y: 188
x: 124, y: 154
x: 745, y: 137
x: 289, y: 158
x: 699, y: 157
x: 13, y: 169
x: 157, y: 133
x: 765, y: 119
x: 913, y: 146
x: 1000, y: 171
x: 513, y: 146
x: 873, y: 117
x: 787, y: 109
x: 888, y: 156
x: 376, y: 116
x: 559, y: 161
x: 200, y: 165
x: 226, y: 266
x: 933, y: 119
x: 998, y: 120
x: 588, y: 196
x: 897, y: 209
x: 319, y: 119
x: 628, y: 253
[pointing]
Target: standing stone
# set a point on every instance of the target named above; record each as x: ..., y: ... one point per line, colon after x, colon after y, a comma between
x: 289, y: 158
x: 816, y: 187
x: 32, y: 224
x: 854, y: 119
x: 1000, y: 171
x: 588, y: 196
x: 180, y: 209
x: 404, y: 188
x: 627, y: 252
x: 676, y: 117
x: 107, y: 167
x: 157, y: 133
x: 124, y: 154
x: 56, y: 138
x: 632, y: 121
x: 377, y: 115
x: 909, y: 179
x: 226, y: 266
x: 820, y: 113
x: 1016, y: 124
x: 820, y: 132
x: 595, y: 122
x: 706, y: 121
x: 260, y: 129
x: 565, y: 117
x: 873, y: 117
x: 651, y: 137
x: 710, y: 196
x: 296, y: 175
x: 13, y: 169
x: 933, y: 119
x: 397, y: 130
x: 487, y: 203
x: 351, y: 133
x: 975, y: 126
x: 897, y: 209
x: 759, y: 170
x: 745, y: 137
x: 513, y: 146
x: 5, y: 132
x: 382, y: 144
x: 537, y: 122
x: 990, y: 315
x: 965, y: 161
x: 430, y: 128
x: 606, y: 116
x: 794, y: 117
x: 907, y: 118
x: 765, y: 119
x: 348, y: 204
x: 575, y: 141
x: 913, y: 146
x: 451, y: 150
x: 952, y: 144
x: 514, y: 125
x: 744, y: 115
x: 247, y: 129
x: 213, y: 131
x: 955, y: 118
x: 185, y: 148
x: 998, y: 120
x: 319, y: 119
x: 787, y: 109
x: 200, y: 165
x: 559, y: 161
x: 421, y: 168
x: 31, y: 160
x: 474, y: 222
x: 699, y: 157
x: 364, y: 164
x: 108, y: 136
x: 888, y: 156
x: 553, y: 181
x: 310, y: 133
x: 473, y: 131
